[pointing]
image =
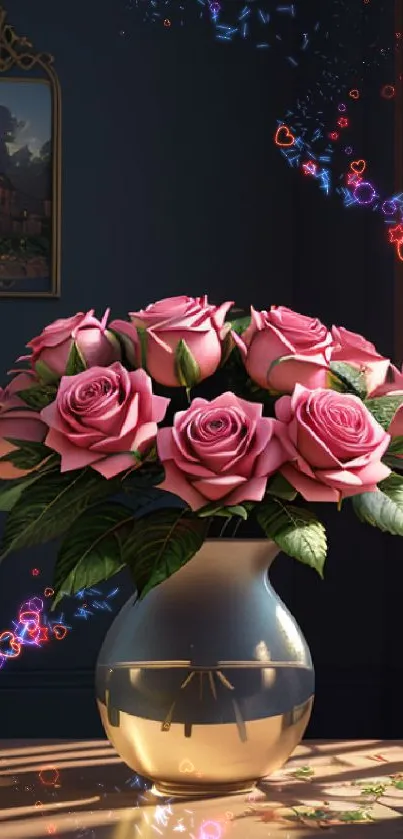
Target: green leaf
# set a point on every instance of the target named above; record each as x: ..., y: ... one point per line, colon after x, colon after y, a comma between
x: 281, y: 488
x: 95, y: 549
x: 50, y: 506
x: 393, y: 487
x: 393, y: 457
x: 238, y: 510
x: 149, y: 475
x: 75, y: 362
x: 45, y: 374
x: 393, y: 461
x: 161, y: 543
x: 240, y: 325
x: 296, y: 531
x: 352, y: 379
x: 383, y: 408
x: 214, y: 509
x: 395, y: 446
x: 11, y: 491
x: 227, y: 346
x: 143, y: 341
x: 384, y: 507
x: 187, y: 368
x: 27, y: 455
x: 38, y: 397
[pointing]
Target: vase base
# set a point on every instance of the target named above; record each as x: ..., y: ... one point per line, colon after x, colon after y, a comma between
x: 172, y: 790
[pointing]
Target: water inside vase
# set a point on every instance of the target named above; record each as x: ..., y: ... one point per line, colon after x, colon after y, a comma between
x: 178, y: 692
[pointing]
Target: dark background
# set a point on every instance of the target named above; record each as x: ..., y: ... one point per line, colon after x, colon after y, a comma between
x: 172, y: 184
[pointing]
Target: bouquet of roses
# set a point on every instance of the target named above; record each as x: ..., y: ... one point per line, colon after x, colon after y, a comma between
x: 130, y: 439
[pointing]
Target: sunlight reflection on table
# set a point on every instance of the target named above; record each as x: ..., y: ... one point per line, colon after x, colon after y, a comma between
x: 81, y: 790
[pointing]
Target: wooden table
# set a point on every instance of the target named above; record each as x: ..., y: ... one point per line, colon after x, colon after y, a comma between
x: 81, y: 789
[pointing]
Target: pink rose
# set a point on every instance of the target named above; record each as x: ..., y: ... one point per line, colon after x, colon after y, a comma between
x: 165, y: 323
x: 220, y: 451
x: 303, y: 342
x: 102, y: 418
x: 393, y: 384
x: 393, y: 387
x: 396, y: 427
x: 334, y: 443
x: 353, y: 349
x: 18, y: 422
x: 94, y: 341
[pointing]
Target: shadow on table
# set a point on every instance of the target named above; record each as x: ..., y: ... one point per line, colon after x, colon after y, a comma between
x: 83, y: 790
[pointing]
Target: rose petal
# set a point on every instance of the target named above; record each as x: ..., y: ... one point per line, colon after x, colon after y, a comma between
x: 175, y: 482
x: 165, y: 444
x: 109, y: 467
x: 216, y: 488
x: 72, y: 456
x: 253, y: 490
x: 309, y: 489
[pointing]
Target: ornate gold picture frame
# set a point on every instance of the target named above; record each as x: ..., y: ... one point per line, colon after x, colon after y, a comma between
x: 30, y: 169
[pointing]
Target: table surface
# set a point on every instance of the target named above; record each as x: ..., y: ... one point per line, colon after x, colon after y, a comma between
x: 82, y: 790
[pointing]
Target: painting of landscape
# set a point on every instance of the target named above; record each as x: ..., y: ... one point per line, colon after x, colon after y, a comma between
x: 26, y: 188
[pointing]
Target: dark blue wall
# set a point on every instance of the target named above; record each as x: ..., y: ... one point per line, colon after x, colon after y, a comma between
x: 172, y: 184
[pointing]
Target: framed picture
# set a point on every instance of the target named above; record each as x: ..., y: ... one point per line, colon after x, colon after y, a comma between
x: 30, y: 169
x: 398, y: 142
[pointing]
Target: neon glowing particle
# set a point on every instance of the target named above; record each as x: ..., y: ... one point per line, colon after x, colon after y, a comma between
x: 283, y: 137
x: 35, y: 572
x: 167, y: 23
x: 342, y: 107
x: 388, y: 91
x: 364, y: 193
x: 9, y: 646
x: 333, y: 136
x: 342, y: 122
x: 354, y: 93
x: 396, y: 234
x: 59, y: 631
x: 358, y: 166
x: 49, y: 776
x: 29, y: 617
x: 48, y: 592
x: 35, y: 604
x: 309, y: 168
x: 210, y: 830
x: 389, y: 208
x: 348, y: 150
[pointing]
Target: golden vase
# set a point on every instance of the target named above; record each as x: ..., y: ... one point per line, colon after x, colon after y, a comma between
x: 206, y: 685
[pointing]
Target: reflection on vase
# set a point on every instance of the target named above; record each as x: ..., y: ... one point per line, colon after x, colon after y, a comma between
x: 199, y: 723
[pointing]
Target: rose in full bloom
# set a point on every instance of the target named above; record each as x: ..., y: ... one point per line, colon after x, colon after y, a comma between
x: 354, y: 349
x: 220, y: 451
x: 105, y: 418
x: 97, y: 345
x: 334, y: 445
x: 282, y: 348
x: 18, y: 422
x: 152, y: 337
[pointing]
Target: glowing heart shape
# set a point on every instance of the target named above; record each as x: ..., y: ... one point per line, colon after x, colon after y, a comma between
x: 358, y: 166
x: 9, y: 647
x: 283, y: 137
x: 186, y: 767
